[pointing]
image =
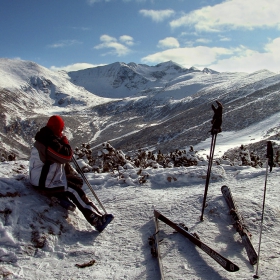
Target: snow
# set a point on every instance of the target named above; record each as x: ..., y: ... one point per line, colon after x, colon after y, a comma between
x: 231, y: 139
x: 41, y: 240
x: 44, y: 85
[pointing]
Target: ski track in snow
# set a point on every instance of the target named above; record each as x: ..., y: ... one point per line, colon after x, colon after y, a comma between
x: 122, y: 250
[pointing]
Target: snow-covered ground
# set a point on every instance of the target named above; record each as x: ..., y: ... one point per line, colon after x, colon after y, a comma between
x: 41, y: 240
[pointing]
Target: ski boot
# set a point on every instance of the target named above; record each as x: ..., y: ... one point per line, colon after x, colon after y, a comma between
x: 103, y: 221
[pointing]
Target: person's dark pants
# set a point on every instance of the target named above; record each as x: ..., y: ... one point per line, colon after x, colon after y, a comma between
x: 75, y: 193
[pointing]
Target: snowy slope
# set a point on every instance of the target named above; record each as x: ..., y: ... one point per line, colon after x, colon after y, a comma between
x: 29, y: 94
x: 40, y: 240
x: 252, y: 134
x: 47, y: 87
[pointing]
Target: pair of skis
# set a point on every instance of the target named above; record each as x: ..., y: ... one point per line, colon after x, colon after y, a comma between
x: 154, y: 241
x: 239, y: 224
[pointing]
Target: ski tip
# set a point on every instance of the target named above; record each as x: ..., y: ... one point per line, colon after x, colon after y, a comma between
x: 230, y: 266
x: 156, y: 213
x: 234, y: 268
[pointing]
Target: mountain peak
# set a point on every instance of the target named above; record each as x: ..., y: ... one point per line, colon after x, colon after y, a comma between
x: 169, y: 64
x: 209, y: 71
x: 194, y: 69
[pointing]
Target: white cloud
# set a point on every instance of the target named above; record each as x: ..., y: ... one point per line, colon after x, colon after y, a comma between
x: 168, y: 42
x: 112, y: 43
x: 247, y: 60
x: 273, y: 46
x: 241, y: 59
x: 74, y: 67
x: 64, y: 43
x: 233, y: 14
x: 203, y: 41
x: 157, y: 16
x: 128, y: 40
x: 224, y: 39
x: 193, y: 56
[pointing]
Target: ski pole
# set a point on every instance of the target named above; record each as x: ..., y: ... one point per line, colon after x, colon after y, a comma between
x: 88, y: 184
x: 269, y: 162
x: 212, y: 148
x: 216, y: 128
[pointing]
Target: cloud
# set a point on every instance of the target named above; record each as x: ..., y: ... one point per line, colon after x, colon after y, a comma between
x: 74, y: 67
x: 192, y: 56
x: 240, y: 59
x: 224, y: 39
x: 128, y: 40
x: 203, y: 41
x: 247, y: 60
x: 273, y: 46
x: 64, y: 43
x: 157, y: 16
x: 112, y: 43
x: 168, y: 42
x: 233, y: 14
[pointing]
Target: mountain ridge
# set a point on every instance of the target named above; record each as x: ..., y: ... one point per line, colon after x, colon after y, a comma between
x: 167, y: 111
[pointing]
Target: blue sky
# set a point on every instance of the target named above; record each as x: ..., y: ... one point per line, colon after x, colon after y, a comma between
x: 232, y: 35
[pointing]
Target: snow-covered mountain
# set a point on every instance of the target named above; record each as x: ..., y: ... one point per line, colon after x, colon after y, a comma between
x: 42, y: 86
x: 123, y: 80
x: 29, y: 94
x: 131, y: 105
x: 175, y: 110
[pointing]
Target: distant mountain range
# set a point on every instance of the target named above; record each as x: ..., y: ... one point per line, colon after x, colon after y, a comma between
x: 133, y: 106
x: 121, y: 80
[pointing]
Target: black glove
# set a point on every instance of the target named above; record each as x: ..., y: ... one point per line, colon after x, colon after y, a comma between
x: 270, y: 154
x: 217, y: 118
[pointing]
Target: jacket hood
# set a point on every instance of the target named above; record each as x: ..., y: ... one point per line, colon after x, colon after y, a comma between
x: 56, y: 124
